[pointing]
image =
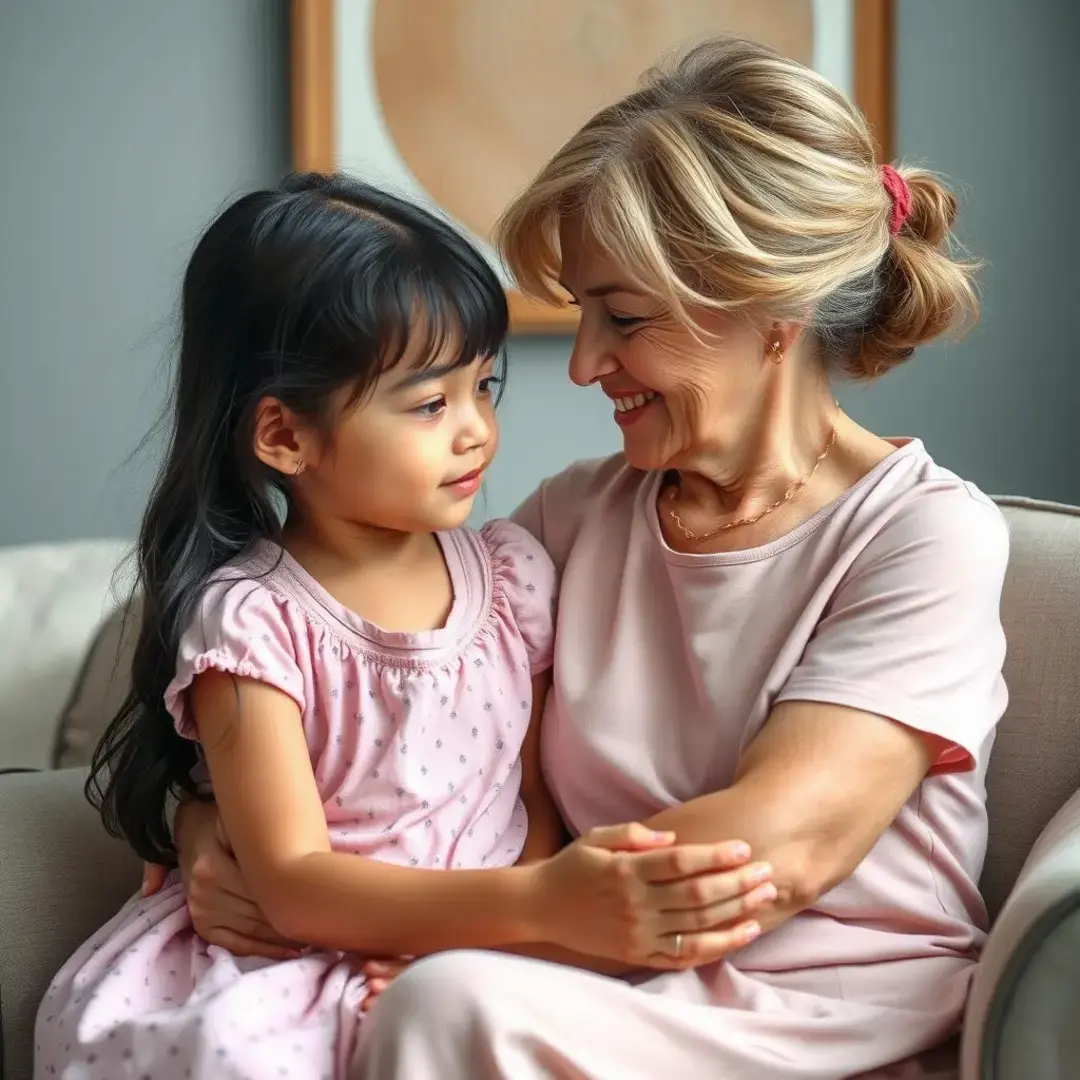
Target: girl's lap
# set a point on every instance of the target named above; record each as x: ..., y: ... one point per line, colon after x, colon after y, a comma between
x: 147, y: 996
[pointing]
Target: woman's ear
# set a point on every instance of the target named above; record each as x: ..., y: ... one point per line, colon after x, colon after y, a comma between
x: 280, y: 440
x: 779, y: 338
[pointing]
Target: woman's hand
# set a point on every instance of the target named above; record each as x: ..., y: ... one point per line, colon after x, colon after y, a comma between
x: 626, y: 893
x: 221, y: 906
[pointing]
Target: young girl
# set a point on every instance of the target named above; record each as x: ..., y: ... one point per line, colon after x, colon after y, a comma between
x: 362, y: 683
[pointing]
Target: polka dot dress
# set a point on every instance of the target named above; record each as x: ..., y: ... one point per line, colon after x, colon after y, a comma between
x: 415, y: 741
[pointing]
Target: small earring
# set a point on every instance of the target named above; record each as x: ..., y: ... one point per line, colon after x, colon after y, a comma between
x: 775, y: 353
x: 299, y: 467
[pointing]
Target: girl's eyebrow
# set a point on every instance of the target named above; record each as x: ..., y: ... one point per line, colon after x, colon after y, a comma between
x: 423, y: 375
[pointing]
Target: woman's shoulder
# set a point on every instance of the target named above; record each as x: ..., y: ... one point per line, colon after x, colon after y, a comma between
x: 553, y: 513
x: 916, y: 501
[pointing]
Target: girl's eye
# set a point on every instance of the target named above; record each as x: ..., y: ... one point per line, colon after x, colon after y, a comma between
x: 488, y: 385
x: 431, y: 408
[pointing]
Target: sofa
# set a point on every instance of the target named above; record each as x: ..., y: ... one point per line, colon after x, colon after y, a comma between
x: 61, y: 876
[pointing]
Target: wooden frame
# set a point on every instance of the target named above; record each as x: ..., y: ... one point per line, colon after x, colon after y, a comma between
x: 313, y: 111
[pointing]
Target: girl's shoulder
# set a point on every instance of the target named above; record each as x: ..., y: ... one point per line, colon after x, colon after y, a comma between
x: 241, y: 626
x: 523, y: 584
x: 520, y: 566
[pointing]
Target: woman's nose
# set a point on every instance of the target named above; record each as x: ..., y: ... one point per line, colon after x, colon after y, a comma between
x: 590, y: 359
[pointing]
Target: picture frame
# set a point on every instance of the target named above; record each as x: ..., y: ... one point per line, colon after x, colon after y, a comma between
x: 338, y: 106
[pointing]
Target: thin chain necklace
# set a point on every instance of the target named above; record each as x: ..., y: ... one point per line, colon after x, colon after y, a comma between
x: 673, y: 494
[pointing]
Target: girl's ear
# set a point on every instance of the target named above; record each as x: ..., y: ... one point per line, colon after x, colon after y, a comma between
x: 280, y: 440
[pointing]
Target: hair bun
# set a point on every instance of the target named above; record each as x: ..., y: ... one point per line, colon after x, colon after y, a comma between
x: 925, y: 290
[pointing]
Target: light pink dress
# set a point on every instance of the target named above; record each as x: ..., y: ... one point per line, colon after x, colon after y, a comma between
x: 666, y: 667
x: 415, y: 741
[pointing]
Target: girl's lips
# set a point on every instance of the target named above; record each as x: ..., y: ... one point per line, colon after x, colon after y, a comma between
x: 466, y: 485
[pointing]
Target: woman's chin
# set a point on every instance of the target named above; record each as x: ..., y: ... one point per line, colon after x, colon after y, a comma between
x: 643, y: 455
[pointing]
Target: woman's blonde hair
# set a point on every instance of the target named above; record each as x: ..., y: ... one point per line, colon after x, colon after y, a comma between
x: 738, y: 180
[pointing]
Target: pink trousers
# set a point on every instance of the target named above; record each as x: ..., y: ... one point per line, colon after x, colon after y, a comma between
x: 485, y: 1016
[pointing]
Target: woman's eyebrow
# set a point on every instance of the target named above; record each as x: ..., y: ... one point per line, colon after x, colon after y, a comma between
x: 612, y: 287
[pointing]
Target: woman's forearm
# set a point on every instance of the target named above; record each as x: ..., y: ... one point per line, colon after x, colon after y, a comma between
x: 362, y: 905
x: 801, y: 873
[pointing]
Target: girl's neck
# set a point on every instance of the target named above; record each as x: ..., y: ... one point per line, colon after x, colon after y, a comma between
x: 336, y: 545
x: 400, y: 582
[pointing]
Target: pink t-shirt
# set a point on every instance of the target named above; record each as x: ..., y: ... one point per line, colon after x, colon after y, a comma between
x: 668, y: 664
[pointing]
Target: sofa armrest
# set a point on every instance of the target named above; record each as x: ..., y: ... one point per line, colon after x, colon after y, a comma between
x: 1025, y: 998
x: 61, y: 878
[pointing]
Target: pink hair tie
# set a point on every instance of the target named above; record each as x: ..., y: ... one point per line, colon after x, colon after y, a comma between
x: 899, y: 194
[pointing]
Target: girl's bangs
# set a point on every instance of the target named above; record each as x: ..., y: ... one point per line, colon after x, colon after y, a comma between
x: 446, y: 316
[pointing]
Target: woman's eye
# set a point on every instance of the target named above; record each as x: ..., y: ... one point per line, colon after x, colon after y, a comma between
x: 624, y: 320
x: 488, y: 385
x: 431, y: 408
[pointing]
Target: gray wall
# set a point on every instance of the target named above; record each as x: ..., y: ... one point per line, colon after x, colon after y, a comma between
x: 125, y: 123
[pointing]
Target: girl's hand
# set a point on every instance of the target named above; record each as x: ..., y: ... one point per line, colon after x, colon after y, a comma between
x: 632, y: 895
x: 380, y: 974
x: 220, y: 904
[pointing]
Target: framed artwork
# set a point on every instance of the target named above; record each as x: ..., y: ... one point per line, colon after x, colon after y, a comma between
x: 457, y: 103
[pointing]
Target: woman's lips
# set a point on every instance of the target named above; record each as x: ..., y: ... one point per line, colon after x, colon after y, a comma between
x: 630, y: 408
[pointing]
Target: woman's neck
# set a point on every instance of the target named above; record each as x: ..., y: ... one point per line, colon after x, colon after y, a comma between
x: 776, y: 451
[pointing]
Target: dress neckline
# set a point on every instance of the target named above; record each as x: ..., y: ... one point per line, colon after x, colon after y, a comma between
x: 467, y: 607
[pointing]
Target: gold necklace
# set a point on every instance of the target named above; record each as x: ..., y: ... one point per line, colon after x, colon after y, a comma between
x: 673, y: 494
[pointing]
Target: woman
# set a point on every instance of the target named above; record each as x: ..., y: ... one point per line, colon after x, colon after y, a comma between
x: 773, y: 624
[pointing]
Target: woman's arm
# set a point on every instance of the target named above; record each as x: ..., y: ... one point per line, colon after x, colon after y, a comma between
x: 814, y: 792
x: 901, y: 676
x: 546, y: 833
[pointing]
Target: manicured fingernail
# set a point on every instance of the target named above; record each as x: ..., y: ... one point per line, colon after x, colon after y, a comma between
x: 740, y: 851
x: 750, y: 931
x: 762, y: 872
x: 663, y: 835
x: 763, y: 894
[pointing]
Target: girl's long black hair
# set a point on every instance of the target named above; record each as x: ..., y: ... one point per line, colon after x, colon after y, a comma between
x: 293, y: 293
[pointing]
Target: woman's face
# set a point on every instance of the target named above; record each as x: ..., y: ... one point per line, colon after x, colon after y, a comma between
x: 680, y: 401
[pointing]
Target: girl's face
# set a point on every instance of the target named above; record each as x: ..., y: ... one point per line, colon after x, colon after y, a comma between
x: 678, y: 400
x: 409, y: 457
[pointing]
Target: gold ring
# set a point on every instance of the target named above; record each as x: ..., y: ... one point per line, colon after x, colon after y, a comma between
x: 678, y: 946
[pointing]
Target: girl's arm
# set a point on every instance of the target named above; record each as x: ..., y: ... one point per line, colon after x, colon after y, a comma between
x: 546, y: 834
x: 259, y: 762
x: 627, y: 904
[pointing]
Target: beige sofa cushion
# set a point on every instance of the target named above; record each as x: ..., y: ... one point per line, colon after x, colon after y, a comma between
x: 61, y: 878
x: 52, y: 599
x: 1035, y: 764
x: 99, y: 689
